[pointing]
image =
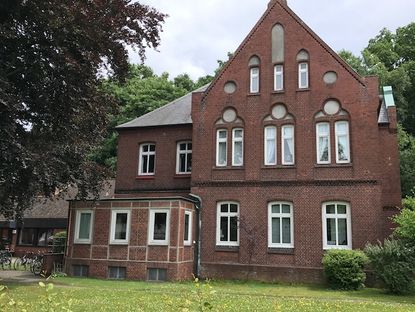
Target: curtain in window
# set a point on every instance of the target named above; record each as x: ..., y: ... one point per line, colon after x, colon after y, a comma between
x: 288, y: 135
x: 121, y: 226
x: 270, y: 135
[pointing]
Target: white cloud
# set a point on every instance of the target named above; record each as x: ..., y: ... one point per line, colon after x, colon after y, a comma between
x: 197, y: 33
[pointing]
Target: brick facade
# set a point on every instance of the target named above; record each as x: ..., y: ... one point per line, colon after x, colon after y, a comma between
x: 367, y: 183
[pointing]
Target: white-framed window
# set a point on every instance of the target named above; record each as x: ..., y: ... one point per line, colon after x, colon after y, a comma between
x: 147, y: 159
x: 278, y: 77
x: 254, y: 80
x: 221, y: 147
x: 120, y: 226
x: 184, y: 158
x: 303, y: 75
x: 227, y: 224
x: 270, y: 145
x: 280, y: 225
x: 287, y: 144
x: 83, y: 226
x: 159, y: 227
x: 323, y: 142
x: 342, y: 142
x: 237, y: 147
x: 187, y: 232
x: 337, y: 227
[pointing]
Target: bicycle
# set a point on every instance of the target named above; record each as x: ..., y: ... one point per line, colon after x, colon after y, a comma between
x: 24, y: 262
x: 37, y: 264
x: 5, y: 259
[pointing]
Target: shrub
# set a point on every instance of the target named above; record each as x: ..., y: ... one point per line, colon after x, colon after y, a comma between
x: 344, y: 268
x: 406, y: 226
x: 59, y: 241
x: 393, y: 263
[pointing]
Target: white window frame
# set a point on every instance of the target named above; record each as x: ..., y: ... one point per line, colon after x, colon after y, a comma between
x: 185, y: 152
x: 301, y: 72
x: 278, y: 73
x: 114, y: 213
x: 229, y: 214
x: 318, y: 135
x: 283, y: 145
x: 218, y: 141
x: 252, y: 76
x: 188, y: 241
x: 266, y: 162
x: 337, y: 216
x: 280, y: 215
x: 78, y: 240
x: 234, y: 141
x: 147, y: 154
x: 151, y: 219
x: 337, y: 134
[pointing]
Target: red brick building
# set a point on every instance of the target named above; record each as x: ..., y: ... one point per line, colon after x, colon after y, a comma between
x: 286, y: 154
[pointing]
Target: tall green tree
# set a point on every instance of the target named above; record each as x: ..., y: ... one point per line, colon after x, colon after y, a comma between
x: 52, y: 112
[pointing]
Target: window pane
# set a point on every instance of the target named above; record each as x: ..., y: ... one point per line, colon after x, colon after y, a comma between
x: 121, y: 226
x: 145, y: 148
x: 330, y: 209
x: 233, y: 229
x: 275, y: 209
x: 222, y: 134
x: 303, y: 80
x: 323, y: 129
x: 343, y: 148
x: 182, y: 146
x: 224, y: 229
x: 270, y: 152
x: 342, y: 234
x: 144, y: 164
x: 303, y: 66
x: 331, y: 231
x: 84, y: 225
x: 224, y: 208
x: 152, y: 148
x: 182, y: 159
x: 237, y: 156
x: 151, y: 164
x: 341, y: 209
x: 160, y: 222
x: 234, y: 208
x: 41, y: 238
x: 238, y: 133
x: 189, y: 163
x: 286, y: 231
x: 341, y: 127
x: 222, y: 153
x: 276, y: 238
x: 270, y: 132
x: 27, y: 236
x: 323, y: 149
x: 288, y: 150
x: 186, y: 226
x: 286, y: 208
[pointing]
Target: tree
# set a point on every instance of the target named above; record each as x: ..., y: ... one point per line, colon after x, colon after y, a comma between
x: 407, y: 162
x: 52, y: 112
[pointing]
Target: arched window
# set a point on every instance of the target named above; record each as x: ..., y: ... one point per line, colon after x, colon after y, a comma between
x: 277, y: 40
x: 303, y: 74
x: 254, y: 74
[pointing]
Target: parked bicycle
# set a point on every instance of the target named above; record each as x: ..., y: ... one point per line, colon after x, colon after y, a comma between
x: 24, y: 262
x: 37, y: 264
x: 5, y: 259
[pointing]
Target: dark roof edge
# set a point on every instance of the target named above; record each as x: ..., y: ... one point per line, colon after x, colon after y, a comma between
x: 156, y: 126
x: 135, y: 199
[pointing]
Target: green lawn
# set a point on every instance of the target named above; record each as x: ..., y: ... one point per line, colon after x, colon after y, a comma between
x: 100, y: 295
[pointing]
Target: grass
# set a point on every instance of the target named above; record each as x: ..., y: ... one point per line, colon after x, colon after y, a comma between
x: 103, y: 295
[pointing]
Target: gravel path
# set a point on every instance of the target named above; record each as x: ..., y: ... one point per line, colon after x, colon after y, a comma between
x: 7, y: 276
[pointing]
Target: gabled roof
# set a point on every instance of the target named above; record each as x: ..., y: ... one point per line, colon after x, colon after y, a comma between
x: 177, y: 112
x: 283, y: 5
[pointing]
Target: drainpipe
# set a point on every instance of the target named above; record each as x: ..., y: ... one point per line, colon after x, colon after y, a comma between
x: 198, y: 205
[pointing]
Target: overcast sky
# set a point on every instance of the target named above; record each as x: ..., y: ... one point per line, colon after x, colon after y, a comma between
x: 197, y: 33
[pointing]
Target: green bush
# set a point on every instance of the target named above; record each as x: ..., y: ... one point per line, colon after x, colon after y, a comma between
x: 59, y: 241
x: 393, y: 263
x: 344, y: 268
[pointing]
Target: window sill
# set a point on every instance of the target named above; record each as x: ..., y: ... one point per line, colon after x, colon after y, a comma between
x: 149, y: 177
x: 303, y: 90
x: 227, y: 248
x: 254, y: 94
x: 182, y: 176
x: 333, y: 165
x: 278, y: 167
x: 81, y: 243
x: 118, y: 243
x: 157, y: 244
x: 229, y: 168
x: 281, y: 250
x: 278, y: 92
